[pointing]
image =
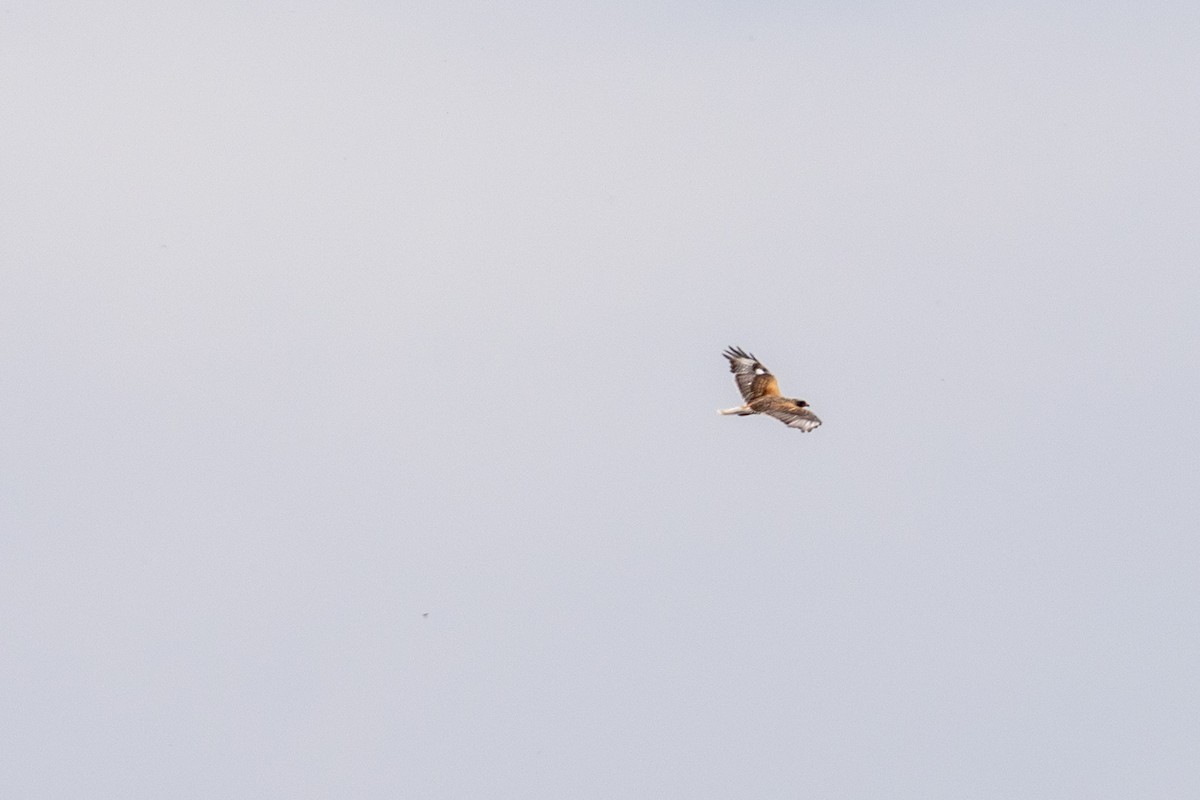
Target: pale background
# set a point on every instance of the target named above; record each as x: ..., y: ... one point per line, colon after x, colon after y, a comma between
x: 315, y: 320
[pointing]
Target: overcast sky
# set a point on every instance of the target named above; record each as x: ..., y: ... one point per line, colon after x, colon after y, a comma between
x: 358, y: 369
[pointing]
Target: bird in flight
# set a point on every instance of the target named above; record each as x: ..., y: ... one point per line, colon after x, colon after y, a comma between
x: 760, y: 390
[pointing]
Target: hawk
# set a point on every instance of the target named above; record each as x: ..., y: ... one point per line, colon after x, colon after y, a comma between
x: 760, y: 390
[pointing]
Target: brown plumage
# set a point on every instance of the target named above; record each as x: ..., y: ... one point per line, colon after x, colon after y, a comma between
x: 760, y: 390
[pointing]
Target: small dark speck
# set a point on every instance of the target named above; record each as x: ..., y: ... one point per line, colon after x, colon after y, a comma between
x: 425, y: 614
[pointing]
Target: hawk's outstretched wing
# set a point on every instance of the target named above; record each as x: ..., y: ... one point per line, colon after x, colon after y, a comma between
x: 753, y: 379
x: 793, y: 416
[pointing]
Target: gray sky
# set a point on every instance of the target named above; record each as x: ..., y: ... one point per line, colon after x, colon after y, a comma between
x: 318, y: 321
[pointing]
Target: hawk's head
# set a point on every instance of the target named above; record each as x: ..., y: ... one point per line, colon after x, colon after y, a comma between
x: 801, y: 403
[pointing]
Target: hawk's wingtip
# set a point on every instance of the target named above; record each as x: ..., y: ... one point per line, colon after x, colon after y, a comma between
x: 736, y: 352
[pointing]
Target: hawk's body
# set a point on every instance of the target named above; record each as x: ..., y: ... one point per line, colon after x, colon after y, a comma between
x: 760, y: 390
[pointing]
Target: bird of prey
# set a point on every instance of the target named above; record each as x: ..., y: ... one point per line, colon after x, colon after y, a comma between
x: 760, y: 390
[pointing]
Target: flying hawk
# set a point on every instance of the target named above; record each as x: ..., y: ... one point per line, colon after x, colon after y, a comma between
x: 760, y: 390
